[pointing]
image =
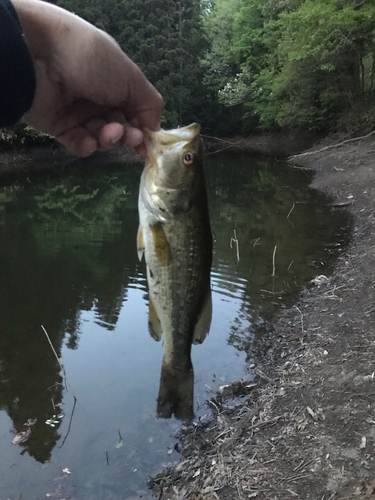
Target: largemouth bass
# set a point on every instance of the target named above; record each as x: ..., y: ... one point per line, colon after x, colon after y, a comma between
x: 175, y: 237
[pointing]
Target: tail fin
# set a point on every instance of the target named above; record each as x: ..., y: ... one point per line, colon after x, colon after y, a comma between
x: 176, y: 394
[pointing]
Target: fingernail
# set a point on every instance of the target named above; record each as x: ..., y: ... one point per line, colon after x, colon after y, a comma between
x: 113, y: 142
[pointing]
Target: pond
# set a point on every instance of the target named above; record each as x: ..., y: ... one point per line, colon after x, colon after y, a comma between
x: 68, y: 261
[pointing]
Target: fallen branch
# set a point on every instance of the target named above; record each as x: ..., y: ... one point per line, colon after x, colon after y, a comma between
x: 333, y: 146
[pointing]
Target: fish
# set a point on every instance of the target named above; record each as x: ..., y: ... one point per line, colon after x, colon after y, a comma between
x: 175, y: 238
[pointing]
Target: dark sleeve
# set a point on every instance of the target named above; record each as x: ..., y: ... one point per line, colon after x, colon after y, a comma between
x: 17, y: 74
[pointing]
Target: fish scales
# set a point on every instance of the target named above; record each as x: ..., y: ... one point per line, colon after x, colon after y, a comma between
x: 180, y: 287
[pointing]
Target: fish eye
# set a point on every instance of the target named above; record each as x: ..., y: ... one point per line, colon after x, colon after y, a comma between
x: 188, y: 158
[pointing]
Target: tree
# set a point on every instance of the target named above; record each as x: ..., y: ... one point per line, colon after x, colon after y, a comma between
x: 336, y: 38
x: 165, y: 38
x: 294, y: 63
x: 224, y: 82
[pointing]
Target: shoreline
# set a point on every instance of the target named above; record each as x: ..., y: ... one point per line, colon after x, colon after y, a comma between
x: 28, y: 159
x: 50, y: 158
x: 306, y: 428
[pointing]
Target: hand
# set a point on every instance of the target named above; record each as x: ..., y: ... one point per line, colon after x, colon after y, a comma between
x: 89, y: 94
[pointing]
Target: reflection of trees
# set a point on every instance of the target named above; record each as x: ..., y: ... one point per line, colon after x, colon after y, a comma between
x: 255, y: 199
x: 67, y: 244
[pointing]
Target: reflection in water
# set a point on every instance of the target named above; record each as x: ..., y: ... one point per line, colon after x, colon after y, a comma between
x: 267, y: 205
x: 62, y: 251
x: 67, y: 261
x: 175, y: 236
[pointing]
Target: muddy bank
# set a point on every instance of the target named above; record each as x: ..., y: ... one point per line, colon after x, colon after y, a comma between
x: 306, y: 427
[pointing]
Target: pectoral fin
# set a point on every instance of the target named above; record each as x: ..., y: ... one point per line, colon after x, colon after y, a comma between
x: 140, y: 243
x: 154, y: 325
x: 161, y: 246
x: 203, y: 324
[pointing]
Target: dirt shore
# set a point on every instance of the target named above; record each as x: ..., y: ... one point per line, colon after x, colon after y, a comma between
x: 306, y: 427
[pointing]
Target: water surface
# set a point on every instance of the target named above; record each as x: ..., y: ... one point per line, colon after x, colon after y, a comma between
x: 68, y: 261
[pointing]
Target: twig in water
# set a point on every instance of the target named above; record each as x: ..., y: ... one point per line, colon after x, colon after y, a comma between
x: 53, y: 385
x: 220, y: 140
x: 291, y: 210
x: 106, y: 456
x: 70, y: 422
x: 66, y: 381
x: 220, y: 150
x: 54, y: 352
x: 273, y: 261
x: 255, y: 242
x: 235, y: 240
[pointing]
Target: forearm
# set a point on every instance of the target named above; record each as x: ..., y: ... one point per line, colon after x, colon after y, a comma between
x: 17, y: 75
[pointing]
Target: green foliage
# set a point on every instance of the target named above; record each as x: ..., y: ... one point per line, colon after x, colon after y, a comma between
x: 165, y: 38
x: 242, y: 65
x: 301, y: 63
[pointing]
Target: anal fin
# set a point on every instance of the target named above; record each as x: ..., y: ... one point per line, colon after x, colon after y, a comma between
x: 140, y: 243
x: 154, y: 325
x: 203, y: 324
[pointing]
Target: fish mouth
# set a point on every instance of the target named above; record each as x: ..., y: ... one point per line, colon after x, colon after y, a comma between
x: 162, y: 141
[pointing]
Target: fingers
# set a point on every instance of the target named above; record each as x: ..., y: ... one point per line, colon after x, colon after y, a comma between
x: 78, y: 141
x: 114, y: 134
x: 106, y: 134
x: 84, y: 126
x: 84, y: 140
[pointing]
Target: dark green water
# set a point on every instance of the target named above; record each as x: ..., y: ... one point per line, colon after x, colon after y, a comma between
x: 68, y: 261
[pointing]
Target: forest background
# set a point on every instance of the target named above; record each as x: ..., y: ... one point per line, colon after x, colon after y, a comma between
x: 240, y: 66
